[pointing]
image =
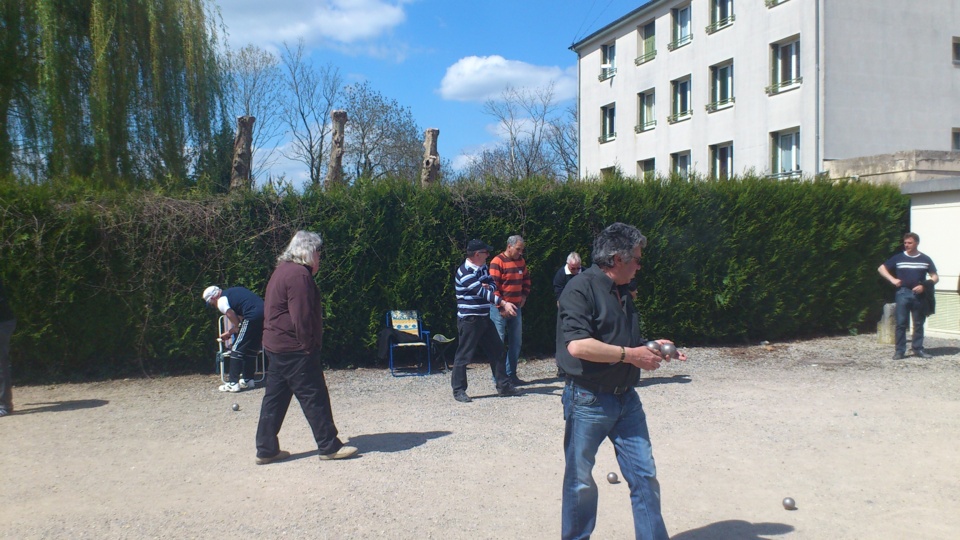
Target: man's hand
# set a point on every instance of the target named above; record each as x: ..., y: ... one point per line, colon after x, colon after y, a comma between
x: 643, y: 358
x: 896, y: 282
x: 508, y: 309
x: 918, y: 289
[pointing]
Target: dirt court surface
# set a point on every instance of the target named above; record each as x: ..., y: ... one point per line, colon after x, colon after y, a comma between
x: 867, y: 446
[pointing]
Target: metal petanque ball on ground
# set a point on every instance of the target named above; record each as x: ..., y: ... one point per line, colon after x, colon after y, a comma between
x: 789, y: 504
x: 236, y: 406
x: 613, y: 478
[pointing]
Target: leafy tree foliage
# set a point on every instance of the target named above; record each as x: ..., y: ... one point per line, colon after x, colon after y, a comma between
x: 123, y: 89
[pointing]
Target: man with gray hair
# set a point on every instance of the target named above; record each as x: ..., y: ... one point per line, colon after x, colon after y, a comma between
x: 244, y: 310
x: 509, y: 273
x: 566, y: 273
x: 601, y: 352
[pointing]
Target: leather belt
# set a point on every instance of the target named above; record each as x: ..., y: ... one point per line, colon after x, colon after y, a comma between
x: 598, y: 388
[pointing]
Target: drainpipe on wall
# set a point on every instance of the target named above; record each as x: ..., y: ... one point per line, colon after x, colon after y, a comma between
x: 817, y: 147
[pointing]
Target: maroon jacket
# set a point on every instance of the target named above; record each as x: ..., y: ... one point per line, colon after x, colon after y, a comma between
x: 293, y: 318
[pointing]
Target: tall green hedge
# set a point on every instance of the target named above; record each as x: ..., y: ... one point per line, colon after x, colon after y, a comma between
x: 109, y: 285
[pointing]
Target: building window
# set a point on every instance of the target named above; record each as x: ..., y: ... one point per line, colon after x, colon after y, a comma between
x: 721, y: 160
x: 772, y: 3
x: 956, y: 140
x: 956, y: 50
x: 681, y: 28
x: 721, y: 86
x: 608, y: 61
x: 647, y: 169
x: 608, y: 173
x: 680, y: 164
x: 784, y: 66
x: 608, y: 128
x: 646, y: 111
x: 785, y: 153
x: 647, y: 47
x: 721, y: 15
x: 680, y: 107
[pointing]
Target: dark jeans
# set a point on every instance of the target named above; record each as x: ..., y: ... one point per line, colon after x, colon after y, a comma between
x: 6, y: 383
x: 296, y: 374
x: 908, y: 304
x: 478, y: 336
x: 590, y: 419
x: 246, y: 347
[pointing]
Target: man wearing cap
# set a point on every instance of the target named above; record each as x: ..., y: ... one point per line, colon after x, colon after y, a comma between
x: 601, y: 352
x: 244, y: 310
x: 475, y: 292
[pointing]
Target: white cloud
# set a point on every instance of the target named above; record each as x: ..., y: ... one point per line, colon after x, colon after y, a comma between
x: 338, y: 21
x: 480, y: 78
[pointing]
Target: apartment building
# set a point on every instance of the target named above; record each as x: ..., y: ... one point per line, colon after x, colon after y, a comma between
x: 777, y: 87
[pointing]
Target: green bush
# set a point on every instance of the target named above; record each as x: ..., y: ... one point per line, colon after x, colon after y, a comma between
x: 108, y: 285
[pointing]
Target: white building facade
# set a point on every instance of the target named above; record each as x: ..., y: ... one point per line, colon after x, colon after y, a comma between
x: 777, y: 87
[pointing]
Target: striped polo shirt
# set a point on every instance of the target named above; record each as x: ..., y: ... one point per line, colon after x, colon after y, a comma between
x: 475, y: 290
x: 511, y: 277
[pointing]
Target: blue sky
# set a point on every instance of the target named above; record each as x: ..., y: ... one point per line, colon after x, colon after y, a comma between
x: 441, y: 58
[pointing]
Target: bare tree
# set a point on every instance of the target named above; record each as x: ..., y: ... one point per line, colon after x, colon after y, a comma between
x: 382, y: 137
x: 257, y: 90
x: 313, y: 94
x: 563, y: 137
x: 524, y: 116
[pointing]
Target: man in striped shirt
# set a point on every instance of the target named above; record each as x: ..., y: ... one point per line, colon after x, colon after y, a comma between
x: 476, y: 292
x: 509, y: 272
x: 908, y: 271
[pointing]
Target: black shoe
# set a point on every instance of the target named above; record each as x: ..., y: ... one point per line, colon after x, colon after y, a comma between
x: 922, y: 354
x: 509, y: 391
x: 517, y: 381
x: 462, y: 397
x: 898, y: 356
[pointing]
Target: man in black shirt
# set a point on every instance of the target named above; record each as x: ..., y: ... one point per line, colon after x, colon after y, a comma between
x: 601, y: 351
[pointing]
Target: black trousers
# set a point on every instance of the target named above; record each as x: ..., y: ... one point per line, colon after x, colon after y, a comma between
x: 296, y: 374
x: 478, y: 336
x: 246, y: 346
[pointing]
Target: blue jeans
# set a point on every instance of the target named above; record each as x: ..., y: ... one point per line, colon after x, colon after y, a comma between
x: 908, y: 304
x: 589, y: 419
x: 511, y: 334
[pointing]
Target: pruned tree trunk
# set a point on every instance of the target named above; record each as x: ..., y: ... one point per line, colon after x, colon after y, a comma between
x: 335, y: 170
x: 431, y: 159
x: 242, y: 154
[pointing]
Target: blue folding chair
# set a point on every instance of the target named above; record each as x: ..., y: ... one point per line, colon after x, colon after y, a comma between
x: 408, y: 323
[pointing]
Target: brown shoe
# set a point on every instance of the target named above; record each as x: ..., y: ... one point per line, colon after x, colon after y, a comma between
x: 343, y: 453
x: 281, y: 455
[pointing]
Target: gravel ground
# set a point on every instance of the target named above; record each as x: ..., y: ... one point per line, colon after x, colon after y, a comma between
x: 866, y: 446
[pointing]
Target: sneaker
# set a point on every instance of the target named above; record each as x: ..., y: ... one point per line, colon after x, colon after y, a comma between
x: 922, y: 354
x: 509, y: 391
x: 898, y: 356
x: 230, y: 387
x: 281, y: 455
x: 343, y: 453
x: 517, y: 381
x: 247, y: 384
x: 462, y: 397
x: 4, y: 412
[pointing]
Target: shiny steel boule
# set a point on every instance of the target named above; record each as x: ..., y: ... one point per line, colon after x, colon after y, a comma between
x: 669, y: 350
x: 789, y: 504
x: 613, y: 478
x: 653, y: 346
x: 236, y: 406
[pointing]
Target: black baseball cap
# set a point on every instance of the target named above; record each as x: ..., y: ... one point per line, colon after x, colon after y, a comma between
x: 475, y: 245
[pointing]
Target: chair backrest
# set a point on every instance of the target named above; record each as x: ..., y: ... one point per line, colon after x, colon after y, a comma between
x: 405, y: 321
